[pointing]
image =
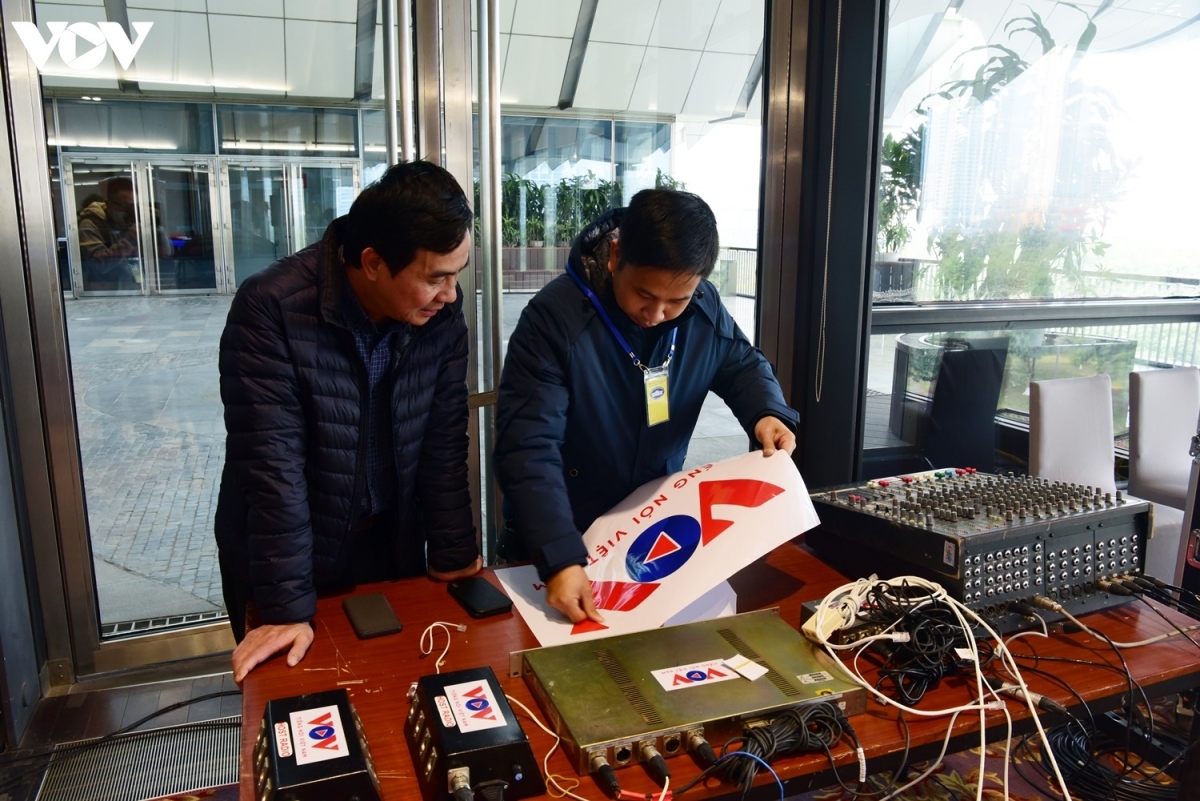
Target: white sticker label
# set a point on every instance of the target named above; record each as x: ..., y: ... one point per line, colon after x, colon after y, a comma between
x: 444, y: 710
x: 474, y: 706
x: 677, y: 678
x: 816, y: 677
x: 751, y: 670
x: 964, y: 654
x: 949, y: 553
x: 283, y: 739
x: 319, y: 735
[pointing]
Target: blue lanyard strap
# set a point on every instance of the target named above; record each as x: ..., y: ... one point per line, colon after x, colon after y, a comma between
x: 599, y: 307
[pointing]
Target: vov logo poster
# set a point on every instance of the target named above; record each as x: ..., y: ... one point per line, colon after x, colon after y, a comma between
x: 671, y: 541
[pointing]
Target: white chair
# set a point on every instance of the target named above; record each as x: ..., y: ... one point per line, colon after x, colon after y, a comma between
x: 1163, y: 410
x: 1071, y: 431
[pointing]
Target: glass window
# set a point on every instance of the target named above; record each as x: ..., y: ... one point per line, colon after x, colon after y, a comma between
x: 116, y: 125
x: 374, y: 158
x: 661, y: 95
x: 1037, y: 151
x: 270, y: 130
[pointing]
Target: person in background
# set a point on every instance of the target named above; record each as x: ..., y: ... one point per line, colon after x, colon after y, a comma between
x: 343, y: 374
x: 605, y: 376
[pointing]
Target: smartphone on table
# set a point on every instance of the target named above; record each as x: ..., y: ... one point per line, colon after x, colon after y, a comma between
x: 479, y: 597
x: 371, y: 615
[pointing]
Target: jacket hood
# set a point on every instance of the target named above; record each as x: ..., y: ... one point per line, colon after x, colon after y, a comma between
x: 589, y: 251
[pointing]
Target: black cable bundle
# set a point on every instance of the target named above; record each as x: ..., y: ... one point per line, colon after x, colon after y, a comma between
x: 817, y: 727
x: 811, y: 728
x: 934, y: 630
x: 1088, y: 776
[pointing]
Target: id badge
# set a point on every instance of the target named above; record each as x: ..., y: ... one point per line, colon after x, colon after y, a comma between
x: 657, y: 405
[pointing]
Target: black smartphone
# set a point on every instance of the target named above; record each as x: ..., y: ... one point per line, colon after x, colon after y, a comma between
x: 371, y: 615
x: 479, y: 597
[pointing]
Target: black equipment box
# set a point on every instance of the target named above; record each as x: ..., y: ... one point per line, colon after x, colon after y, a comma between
x: 461, y: 732
x: 990, y: 540
x: 312, y: 748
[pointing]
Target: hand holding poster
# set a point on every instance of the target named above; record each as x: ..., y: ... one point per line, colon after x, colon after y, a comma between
x: 671, y: 541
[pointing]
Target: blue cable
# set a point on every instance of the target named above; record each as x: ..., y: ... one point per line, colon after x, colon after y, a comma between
x: 760, y: 761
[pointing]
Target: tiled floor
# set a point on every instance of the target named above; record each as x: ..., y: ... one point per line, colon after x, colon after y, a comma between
x: 152, y: 441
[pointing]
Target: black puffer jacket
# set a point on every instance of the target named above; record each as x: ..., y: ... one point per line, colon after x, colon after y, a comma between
x: 291, y: 382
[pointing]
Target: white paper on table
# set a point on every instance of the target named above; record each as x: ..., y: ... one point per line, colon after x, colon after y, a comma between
x: 670, y: 542
x: 720, y: 601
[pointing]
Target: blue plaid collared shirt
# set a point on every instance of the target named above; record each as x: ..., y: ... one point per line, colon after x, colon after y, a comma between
x: 376, y: 345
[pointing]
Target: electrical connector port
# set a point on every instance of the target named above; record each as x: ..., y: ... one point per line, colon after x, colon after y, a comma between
x: 671, y: 744
x: 622, y: 754
x: 456, y: 778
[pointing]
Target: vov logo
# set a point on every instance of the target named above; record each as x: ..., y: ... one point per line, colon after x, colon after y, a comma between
x: 97, y: 38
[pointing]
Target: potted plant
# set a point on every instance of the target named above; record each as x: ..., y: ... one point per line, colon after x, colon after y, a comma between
x: 899, y: 197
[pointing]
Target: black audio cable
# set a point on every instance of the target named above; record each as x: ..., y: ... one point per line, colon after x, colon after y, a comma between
x: 487, y: 791
x: 606, y: 777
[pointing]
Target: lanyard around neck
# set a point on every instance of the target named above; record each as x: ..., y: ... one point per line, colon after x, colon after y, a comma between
x: 599, y: 307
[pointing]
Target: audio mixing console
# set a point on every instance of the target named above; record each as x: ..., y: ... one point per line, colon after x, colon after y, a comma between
x: 994, y: 542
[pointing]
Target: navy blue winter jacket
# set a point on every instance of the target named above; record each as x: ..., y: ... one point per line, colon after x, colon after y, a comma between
x: 571, y: 433
x: 292, y: 384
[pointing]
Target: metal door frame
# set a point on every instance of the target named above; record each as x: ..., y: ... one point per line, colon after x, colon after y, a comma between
x: 143, y: 198
x: 290, y: 167
x: 154, y: 286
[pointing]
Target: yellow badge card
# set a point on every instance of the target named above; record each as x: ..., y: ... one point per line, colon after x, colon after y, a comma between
x: 658, y: 408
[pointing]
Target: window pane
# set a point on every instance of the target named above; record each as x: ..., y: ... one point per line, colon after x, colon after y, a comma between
x: 905, y: 370
x: 270, y: 130
x: 160, y: 128
x: 662, y: 95
x: 1037, y: 151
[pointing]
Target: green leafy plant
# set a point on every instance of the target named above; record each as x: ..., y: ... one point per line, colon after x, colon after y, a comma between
x: 579, y: 201
x: 899, y: 188
x: 664, y: 181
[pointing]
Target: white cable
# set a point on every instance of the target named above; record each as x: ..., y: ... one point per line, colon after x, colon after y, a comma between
x: 1150, y: 641
x: 856, y: 595
x: 663, y: 795
x: 426, y: 650
x: 934, y: 765
x: 551, y: 778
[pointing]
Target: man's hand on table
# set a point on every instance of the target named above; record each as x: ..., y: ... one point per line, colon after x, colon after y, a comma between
x: 773, y: 435
x: 469, y: 570
x: 570, y: 592
x: 265, y: 641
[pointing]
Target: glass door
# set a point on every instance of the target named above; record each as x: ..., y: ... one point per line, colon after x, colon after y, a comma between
x: 103, y: 227
x: 256, y: 227
x: 319, y: 194
x: 182, y: 228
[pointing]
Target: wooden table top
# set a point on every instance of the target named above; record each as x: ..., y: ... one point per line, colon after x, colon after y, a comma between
x: 377, y: 673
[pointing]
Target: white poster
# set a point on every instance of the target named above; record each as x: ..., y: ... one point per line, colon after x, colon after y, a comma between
x: 671, y: 541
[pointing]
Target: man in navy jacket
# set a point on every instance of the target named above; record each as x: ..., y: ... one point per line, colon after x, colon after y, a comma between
x: 632, y: 334
x: 343, y: 374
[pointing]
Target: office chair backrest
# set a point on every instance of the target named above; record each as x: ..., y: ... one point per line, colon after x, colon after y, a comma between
x: 1071, y: 431
x: 962, y: 415
x: 1163, y: 410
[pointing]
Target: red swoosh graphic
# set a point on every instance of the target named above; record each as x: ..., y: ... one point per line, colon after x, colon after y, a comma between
x: 732, y: 492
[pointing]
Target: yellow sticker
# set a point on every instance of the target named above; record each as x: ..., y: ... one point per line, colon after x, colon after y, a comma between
x: 824, y: 691
x: 657, y: 398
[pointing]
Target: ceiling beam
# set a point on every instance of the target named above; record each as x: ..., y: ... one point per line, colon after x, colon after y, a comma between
x: 579, y: 44
x: 364, y: 50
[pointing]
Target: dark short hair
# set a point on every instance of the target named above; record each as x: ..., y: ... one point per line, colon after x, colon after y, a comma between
x: 670, y: 230
x: 115, y: 185
x: 414, y: 206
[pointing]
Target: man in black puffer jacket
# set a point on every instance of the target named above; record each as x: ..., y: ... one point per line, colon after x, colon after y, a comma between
x: 343, y: 374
